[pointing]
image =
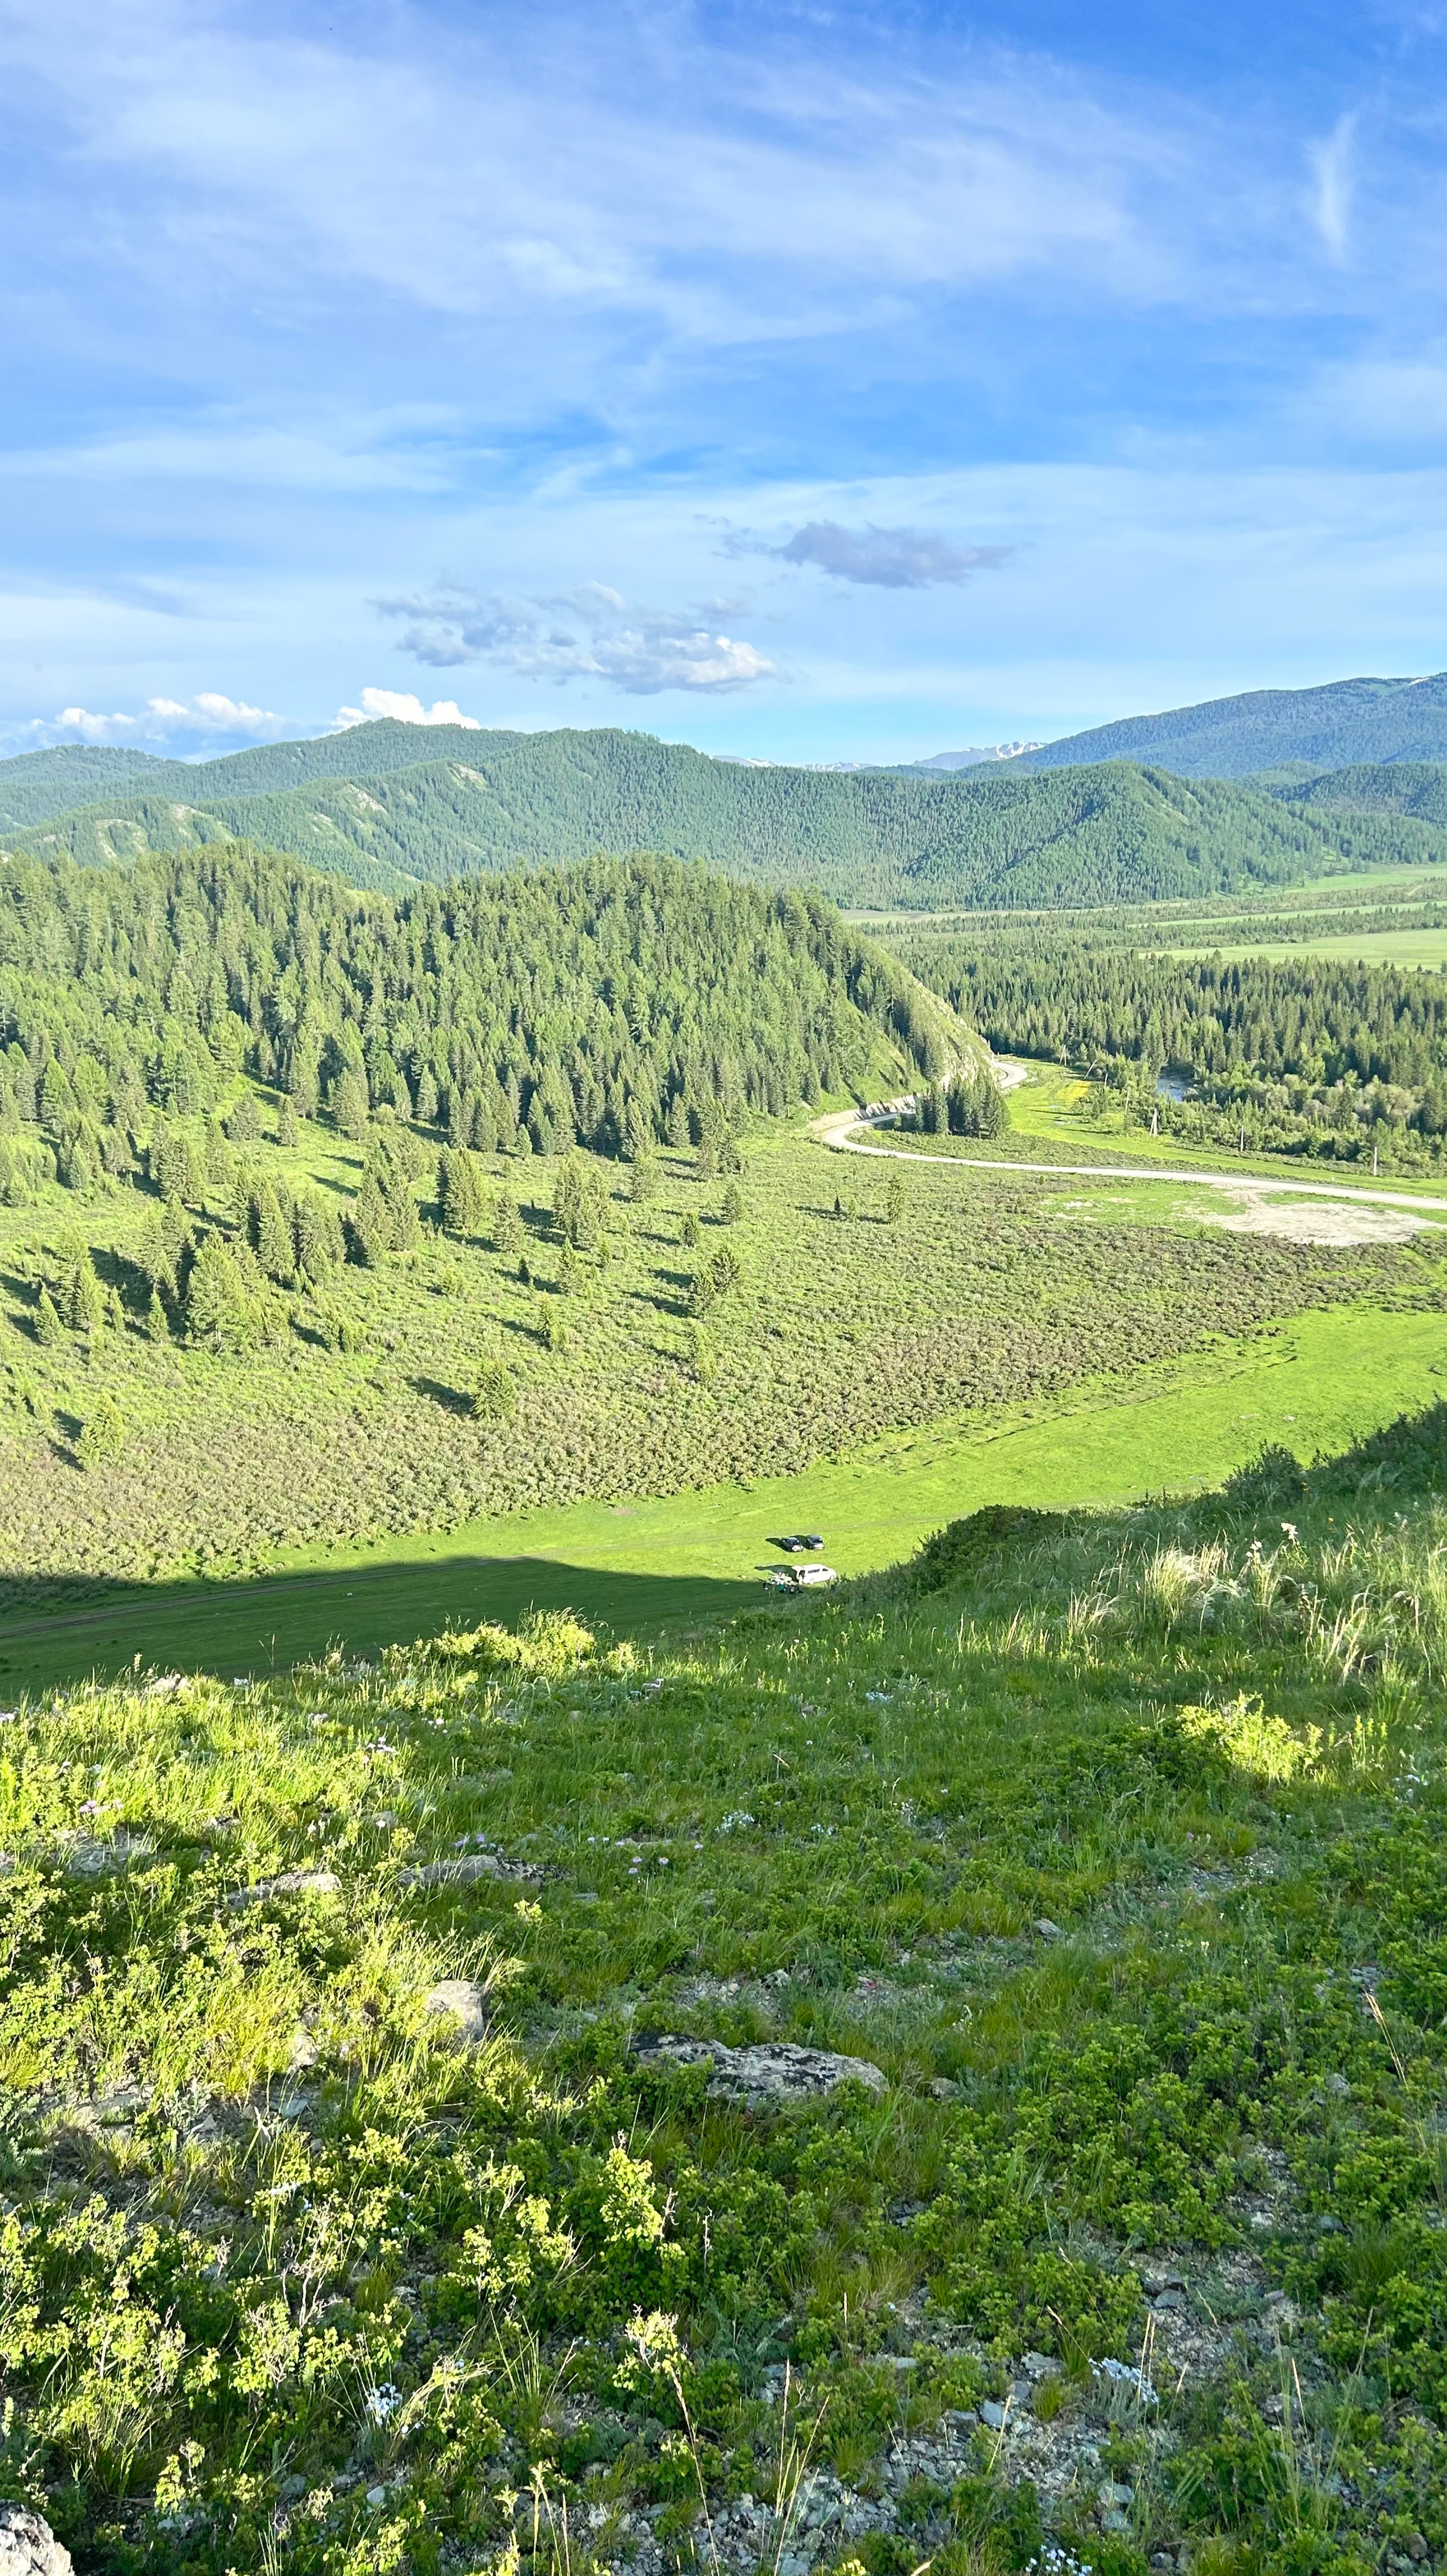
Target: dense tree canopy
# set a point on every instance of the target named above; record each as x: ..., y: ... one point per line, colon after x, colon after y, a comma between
x: 613, y: 1004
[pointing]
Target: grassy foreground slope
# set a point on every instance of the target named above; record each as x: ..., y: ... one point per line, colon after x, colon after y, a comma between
x: 1110, y: 1845
x: 478, y: 802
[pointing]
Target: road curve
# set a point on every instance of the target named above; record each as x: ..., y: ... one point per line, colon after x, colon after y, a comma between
x: 842, y: 1129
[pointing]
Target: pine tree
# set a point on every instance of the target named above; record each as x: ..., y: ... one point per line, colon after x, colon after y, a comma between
x: 894, y: 1195
x: 48, y: 1326
x: 271, y: 1233
x: 217, y: 1310
x: 731, y: 1206
x: 83, y: 1304
x: 158, y: 1328
x: 700, y: 1350
x: 552, y: 1330
x: 460, y: 1191
x: 643, y: 1181
x: 288, y: 1126
x: 369, y: 1225
x: 567, y: 1271
x: 243, y: 1125
x: 494, y: 1396
x: 349, y: 1105
x: 688, y: 1231
x: 507, y: 1226
x: 102, y: 1434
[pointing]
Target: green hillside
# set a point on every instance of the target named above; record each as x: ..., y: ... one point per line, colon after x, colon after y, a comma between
x: 1117, y: 833
x: 1348, y: 721
x: 412, y: 2160
x: 1417, y: 787
x: 37, y: 784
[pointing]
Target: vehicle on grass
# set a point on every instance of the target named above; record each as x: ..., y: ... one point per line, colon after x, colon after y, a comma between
x: 801, y: 1578
x: 797, y: 1543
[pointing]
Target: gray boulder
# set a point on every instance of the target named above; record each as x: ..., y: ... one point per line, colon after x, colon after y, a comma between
x: 28, y: 2546
x: 772, y: 2071
x: 462, y: 2003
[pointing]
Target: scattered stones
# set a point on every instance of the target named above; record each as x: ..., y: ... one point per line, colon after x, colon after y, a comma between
x: 303, y: 2052
x: 290, y: 1882
x: 462, y: 2002
x: 465, y: 1869
x: 771, y: 2071
x: 28, y: 2546
x: 88, y: 1858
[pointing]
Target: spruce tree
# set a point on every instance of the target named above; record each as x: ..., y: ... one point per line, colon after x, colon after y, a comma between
x: 731, y: 1206
x: 288, y: 1126
x: 271, y: 1233
x: 83, y: 1304
x: 494, y: 1395
x: 894, y: 1195
x: 643, y: 1181
x: 243, y: 1125
x: 688, y: 1231
x: 507, y: 1226
x: 369, y: 1225
x: 217, y: 1310
x: 102, y: 1434
x: 48, y: 1326
x: 158, y: 1328
x: 349, y: 1105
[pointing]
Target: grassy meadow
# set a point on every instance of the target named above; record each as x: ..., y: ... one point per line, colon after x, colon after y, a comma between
x: 1110, y: 1845
x: 654, y: 1567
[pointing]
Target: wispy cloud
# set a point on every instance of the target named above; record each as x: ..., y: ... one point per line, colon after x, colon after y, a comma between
x: 586, y: 634
x: 164, y: 720
x: 1332, y: 172
x: 886, y: 558
x: 404, y: 708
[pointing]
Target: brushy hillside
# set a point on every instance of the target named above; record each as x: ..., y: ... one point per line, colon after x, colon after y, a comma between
x: 480, y: 802
x: 1266, y: 729
x: 304, y: 1343
x: 391, y: 2180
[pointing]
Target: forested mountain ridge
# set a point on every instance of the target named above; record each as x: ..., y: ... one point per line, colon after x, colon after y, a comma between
x: 616, y: 1004
x: 1417, y: 787
x: 1324, y: 728
x: 482, y: 802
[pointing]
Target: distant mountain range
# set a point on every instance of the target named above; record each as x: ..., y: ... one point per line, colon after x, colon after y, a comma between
x: 1294, y: 734
x: 386, y: 805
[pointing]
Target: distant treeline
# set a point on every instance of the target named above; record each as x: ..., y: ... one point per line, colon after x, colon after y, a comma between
x: 613, y: 1004
x: 1320, y: 1048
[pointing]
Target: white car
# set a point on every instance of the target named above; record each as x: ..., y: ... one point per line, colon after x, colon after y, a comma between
x: 801, y: 1578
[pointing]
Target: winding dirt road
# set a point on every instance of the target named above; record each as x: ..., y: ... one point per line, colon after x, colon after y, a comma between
x: 843, y: 1132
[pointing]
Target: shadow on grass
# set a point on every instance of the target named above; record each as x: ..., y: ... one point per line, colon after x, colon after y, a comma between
x: 271, y: 1622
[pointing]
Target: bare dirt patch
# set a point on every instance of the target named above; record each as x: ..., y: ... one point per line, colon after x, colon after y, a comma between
x: 1306, y: 1220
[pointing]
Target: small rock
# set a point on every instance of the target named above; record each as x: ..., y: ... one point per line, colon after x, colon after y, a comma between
x: 1154, y: 2282
x: 1047, y: 1930
x: 1022, y: 2395
x: 1338, y: 2086
x: 1110, y: 2494
x: 1162, y: 2562
x: 28, y: 2546
x: 1169, y: 2302
x: 992, y: 2413
x: 1039, y: 2365
x: 303, y: 2052
x: 1417, y: 2548
x: 291, y: 1882
x: 376, y: 2495
x: 771, y: 2071
x: 462, y: 2002
x: 943, y: 2090
x: 1114, y: 2520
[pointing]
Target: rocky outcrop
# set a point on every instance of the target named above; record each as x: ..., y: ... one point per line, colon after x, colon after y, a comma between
x: 771, y: 2072
x: 28, y: 2546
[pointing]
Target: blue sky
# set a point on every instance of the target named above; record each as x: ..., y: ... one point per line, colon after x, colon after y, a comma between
x: 813, y: 382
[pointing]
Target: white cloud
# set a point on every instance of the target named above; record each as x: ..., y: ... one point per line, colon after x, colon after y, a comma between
x: 403, y: 708
x: 641, y: 651
x: 208, y: 714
